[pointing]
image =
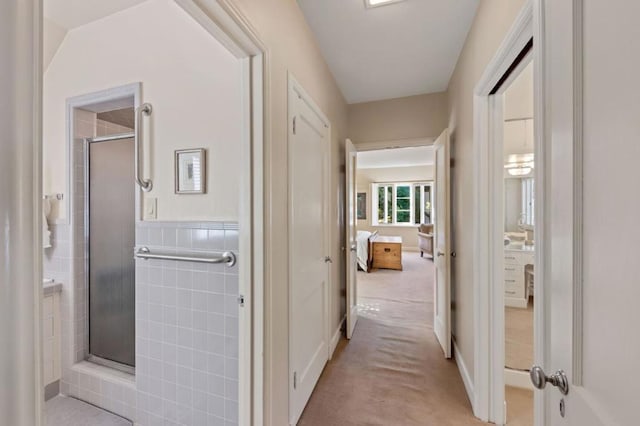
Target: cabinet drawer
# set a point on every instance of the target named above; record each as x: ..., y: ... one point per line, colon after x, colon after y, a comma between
x: 513, y: 271
x: 512, y: 259
x: 516, y: 294
x: 514, y: 288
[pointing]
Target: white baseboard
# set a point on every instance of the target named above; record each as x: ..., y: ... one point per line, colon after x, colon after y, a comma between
x: 464, y: 373
x: 336, y: 338
x: 517, y: 379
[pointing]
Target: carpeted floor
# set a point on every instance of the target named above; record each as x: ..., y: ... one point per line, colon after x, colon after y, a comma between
x: 393, y: 372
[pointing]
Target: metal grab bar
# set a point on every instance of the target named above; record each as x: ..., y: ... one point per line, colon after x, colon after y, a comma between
x: 145, y: 109
x: 227, y: 257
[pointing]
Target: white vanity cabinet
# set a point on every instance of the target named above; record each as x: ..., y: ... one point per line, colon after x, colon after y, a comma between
x: 51, y: 334
x: 515, y: 259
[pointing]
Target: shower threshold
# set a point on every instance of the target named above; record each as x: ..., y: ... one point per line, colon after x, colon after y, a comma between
x: 111, y: 364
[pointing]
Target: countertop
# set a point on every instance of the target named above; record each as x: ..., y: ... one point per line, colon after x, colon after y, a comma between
x: 49, y: 287
x: 522, y: 248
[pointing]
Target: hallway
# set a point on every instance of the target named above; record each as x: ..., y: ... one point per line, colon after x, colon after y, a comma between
x: 393, y: 371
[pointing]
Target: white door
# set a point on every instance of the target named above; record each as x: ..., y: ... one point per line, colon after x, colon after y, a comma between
x: 442, y: 258
x: 351, y: 161
x: 593, y: 289
x: 309, y: 271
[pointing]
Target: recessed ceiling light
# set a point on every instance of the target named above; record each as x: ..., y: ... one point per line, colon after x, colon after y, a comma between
x: 378, y: 3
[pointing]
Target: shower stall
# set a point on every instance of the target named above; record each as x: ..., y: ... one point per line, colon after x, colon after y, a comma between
x: 110, y: 237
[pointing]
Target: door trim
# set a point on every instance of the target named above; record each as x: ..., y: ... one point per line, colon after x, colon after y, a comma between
x: 295, y: 88
x: 488, y: 286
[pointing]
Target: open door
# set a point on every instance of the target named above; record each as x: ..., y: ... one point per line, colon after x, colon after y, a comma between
x: 591, y: 286
x: 351, y: 159
x: 442, y: 258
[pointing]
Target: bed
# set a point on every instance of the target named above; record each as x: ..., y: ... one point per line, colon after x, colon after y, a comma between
x: 364, y: 245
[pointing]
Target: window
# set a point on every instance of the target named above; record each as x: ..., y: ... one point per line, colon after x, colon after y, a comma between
x: 424, y: 203
x: 402, y: 204
x: 528, y: 202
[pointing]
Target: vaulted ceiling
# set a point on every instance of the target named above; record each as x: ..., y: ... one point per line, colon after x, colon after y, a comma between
x: 405, y: 48
x: 70, y: 14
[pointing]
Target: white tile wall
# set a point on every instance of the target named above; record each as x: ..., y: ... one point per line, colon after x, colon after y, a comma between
x: 187, y: 328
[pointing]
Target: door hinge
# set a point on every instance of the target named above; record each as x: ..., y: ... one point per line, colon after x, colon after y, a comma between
x: 295, y: 380
x: 294, y: 125
x: 241, y: 300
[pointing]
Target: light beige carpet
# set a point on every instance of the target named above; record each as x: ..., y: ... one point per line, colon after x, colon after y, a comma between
x: 519, y: 337
x: 393, y: 371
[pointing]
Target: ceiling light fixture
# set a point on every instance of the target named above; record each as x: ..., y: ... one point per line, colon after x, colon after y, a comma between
x: 377, y: 3
x: 519, y: 168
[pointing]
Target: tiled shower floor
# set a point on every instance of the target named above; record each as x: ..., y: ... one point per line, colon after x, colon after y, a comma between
x: 65, y: 411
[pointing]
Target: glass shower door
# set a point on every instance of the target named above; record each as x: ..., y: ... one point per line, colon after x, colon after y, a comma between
x: 111, y: 235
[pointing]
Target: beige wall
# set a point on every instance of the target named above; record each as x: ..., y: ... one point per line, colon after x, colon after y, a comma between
x: 493, y: 20
x: 193, y: 83
x: 291, y: 46
x: 413, y: 117
x: 364, y: 179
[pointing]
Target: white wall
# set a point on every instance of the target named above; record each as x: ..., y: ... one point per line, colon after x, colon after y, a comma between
x: 193, y: 82
x: 364, y: 179
x: 54, y: 34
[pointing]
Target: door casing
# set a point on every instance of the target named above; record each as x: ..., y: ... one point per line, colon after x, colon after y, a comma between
x: 488, y: 284
x: 351, y: 161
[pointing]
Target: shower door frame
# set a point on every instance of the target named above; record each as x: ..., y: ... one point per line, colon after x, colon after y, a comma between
x: 87, y: 241
x: 114, y: 94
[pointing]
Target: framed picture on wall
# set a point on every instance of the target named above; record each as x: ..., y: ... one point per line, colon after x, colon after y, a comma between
x: 191, y: 171
x: 361, y: 205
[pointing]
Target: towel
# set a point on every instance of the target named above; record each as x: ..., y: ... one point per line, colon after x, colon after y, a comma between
x: 46, y: 233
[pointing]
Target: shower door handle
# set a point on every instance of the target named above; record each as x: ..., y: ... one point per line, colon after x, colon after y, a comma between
x: 145, y: 184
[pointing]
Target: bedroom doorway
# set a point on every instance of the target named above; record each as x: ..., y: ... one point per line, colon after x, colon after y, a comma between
x: 391, y: 197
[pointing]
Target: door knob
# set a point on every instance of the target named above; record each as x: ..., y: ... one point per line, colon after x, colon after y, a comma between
x: 353, y: 248
x: 327, y: 259
x: 558, y: 379
x: 440, y: 254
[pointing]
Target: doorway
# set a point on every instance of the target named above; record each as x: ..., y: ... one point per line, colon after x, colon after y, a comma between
x: 110, y: 211
x: 508, y: 251
x: 519, y: 243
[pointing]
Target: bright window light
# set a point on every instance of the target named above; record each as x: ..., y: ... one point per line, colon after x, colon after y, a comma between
x: 377, y: 3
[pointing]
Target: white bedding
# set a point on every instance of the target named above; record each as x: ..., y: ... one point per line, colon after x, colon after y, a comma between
x: 362, y: 242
